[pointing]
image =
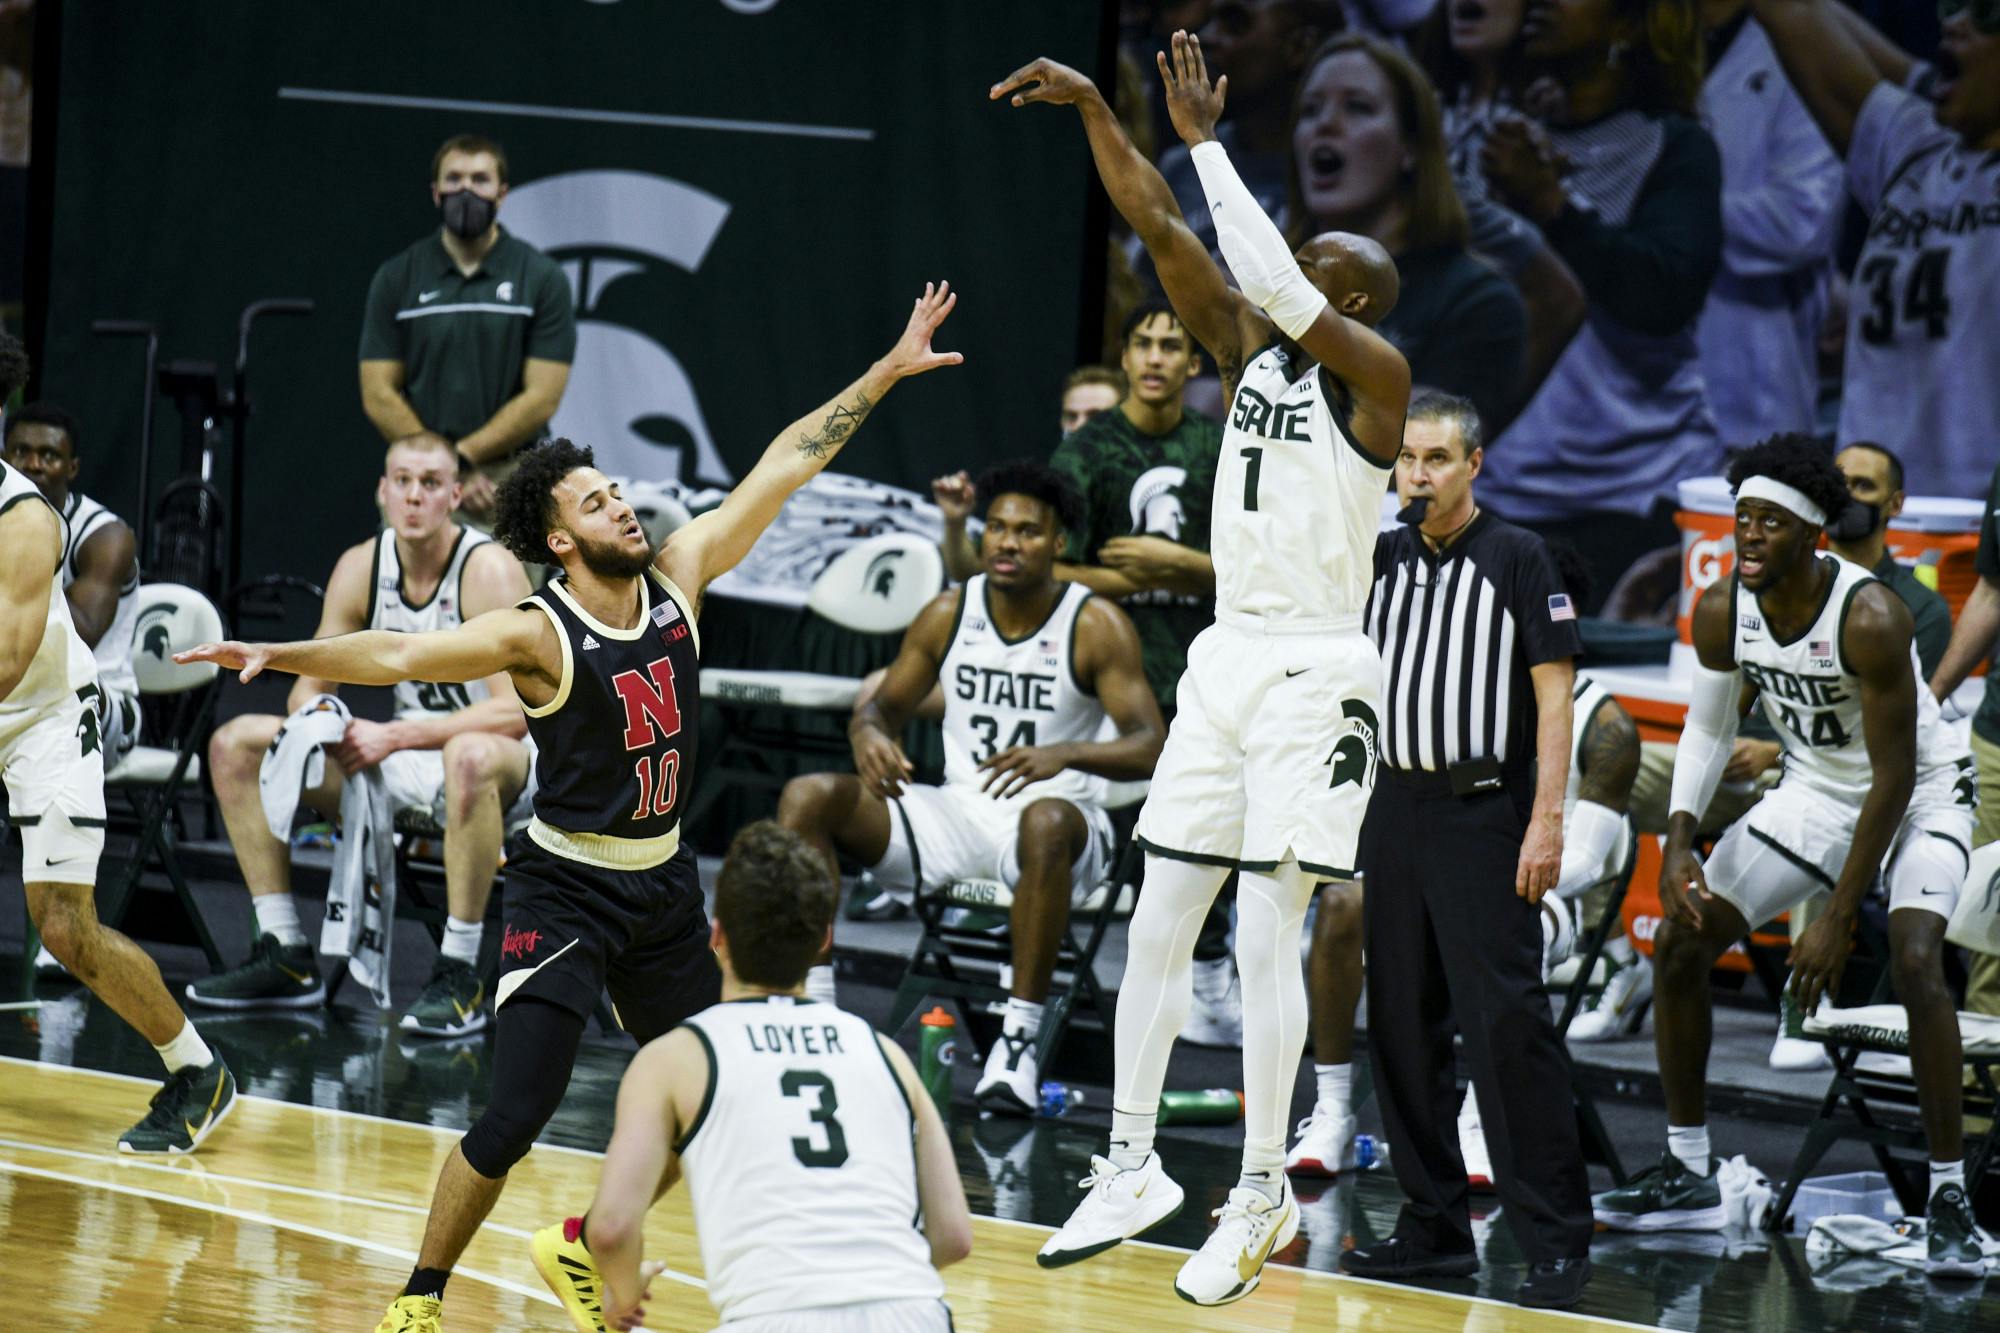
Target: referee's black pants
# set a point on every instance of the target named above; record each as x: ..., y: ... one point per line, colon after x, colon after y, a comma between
x: 1453, y: 949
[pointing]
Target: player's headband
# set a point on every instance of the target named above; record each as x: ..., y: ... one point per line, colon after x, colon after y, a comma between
x: 1772, y: 490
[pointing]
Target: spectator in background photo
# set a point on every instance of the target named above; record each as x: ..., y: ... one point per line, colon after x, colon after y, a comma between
x: 1088, y: 391
x: 469, y: 333
x: 1368, y: 157
x: 1923, y: 325
x: 1781, y: 210
x: 1627, y: 188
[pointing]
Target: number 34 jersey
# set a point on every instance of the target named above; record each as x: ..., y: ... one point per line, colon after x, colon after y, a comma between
x: 390, y: 608
x: 802, y: 1163
x: 1813, y: 699
x: 1000, y: 693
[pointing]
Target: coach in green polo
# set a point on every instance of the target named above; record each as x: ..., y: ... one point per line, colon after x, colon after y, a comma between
x: 469, y: 333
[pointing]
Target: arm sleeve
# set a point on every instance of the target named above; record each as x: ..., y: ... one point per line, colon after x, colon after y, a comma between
x: 1707, y: 737
x: 1544, y: 615
x: 1254, y: 247
x: 1476, y: 347
x: 1068, y: 459
x: 1894, y: 128
x: 380, y: 339
x: 553, y: 336
x: 1591, y: 834
x: 1652, y: 274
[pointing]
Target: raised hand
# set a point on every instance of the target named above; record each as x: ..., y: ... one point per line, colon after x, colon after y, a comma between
x: 1524, y: 169
x: 954, y: 496
x: 1193, y: 104
x: 912, y: 354
x: 1051, y: 82
x: 246, y: 659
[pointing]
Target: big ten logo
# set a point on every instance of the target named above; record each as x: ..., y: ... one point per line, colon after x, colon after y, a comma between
x: 628, y: 395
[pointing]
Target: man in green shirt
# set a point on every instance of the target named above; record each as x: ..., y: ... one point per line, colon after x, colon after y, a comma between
x: 469, y: 333
x: 1875, y: 477
x: 1972, y: 642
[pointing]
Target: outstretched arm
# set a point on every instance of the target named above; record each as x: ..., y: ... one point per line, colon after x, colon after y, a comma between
x: 31, y: 535
x: 511, y: 640
x: 1833, y: 72
x: 707, y: 548
x: 1219, y: 317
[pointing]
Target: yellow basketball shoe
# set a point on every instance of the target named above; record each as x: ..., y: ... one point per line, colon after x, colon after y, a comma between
x: 413, y: 1314
x: 570, y: 1272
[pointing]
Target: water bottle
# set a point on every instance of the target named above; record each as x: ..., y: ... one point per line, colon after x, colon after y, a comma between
x: 1059, y: 1100
x: 937, y: 1051
x: 1370, y: 1152
x: 1210, y: 1106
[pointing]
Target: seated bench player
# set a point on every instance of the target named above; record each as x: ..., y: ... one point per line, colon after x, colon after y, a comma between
x: 1031, y: 668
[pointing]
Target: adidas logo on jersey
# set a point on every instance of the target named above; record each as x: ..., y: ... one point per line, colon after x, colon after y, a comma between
x: 589, y: 643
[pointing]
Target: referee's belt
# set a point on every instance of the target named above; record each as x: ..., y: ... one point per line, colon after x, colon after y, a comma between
x: 1468, y: 777
x: 604, y: 851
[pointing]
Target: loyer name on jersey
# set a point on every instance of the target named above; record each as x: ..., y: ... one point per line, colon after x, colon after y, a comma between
x: 793, y: 1038
x: 1257, y: 415
x: 1004, y: 689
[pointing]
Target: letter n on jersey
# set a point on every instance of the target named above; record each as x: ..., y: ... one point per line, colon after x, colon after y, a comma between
x: 651, y: 711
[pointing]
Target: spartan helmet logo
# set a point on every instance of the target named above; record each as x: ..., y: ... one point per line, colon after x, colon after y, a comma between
x: 880, y: 580
x: 1155, y: 507
x: 628, y: 396
x: 1353, y: 757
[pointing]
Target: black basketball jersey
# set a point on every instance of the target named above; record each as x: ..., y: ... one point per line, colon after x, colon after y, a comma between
x: 616, y: 746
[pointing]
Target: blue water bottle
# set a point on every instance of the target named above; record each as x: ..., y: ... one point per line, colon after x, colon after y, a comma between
x: 1059, y: 1100
x: 1369, y: 1152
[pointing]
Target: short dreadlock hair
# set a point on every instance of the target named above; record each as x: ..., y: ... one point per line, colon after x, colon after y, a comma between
x: 1800, y: 461
x: 775, y: 899
x: 1037, y: 481
x: 524, y: 510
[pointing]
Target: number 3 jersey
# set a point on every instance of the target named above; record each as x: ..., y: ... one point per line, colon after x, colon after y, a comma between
x: 1000, y: 693
x: 1813, y: 701
x: 802, y: 1163
x: 390, y: 608
x: 616, y: 745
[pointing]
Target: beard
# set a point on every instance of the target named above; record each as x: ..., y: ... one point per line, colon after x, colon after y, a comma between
x: 610, y: 560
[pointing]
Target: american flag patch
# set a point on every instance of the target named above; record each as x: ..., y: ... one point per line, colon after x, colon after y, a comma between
x: 665, y: 614
x: 1560, y: 607
x: 1820, y: 648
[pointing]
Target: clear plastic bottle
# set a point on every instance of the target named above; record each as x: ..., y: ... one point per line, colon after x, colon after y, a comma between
x: 1370, y: 1152
x: 1059, y: 1099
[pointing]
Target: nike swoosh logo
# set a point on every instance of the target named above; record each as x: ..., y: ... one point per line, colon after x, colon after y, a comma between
x: 295, y: 976
x: 424, y: 297
x: 465, y: 1010
x: 1300, y: 672
x: 1247, y: 1264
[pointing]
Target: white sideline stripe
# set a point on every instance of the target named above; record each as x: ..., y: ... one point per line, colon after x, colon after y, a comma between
x: 278, y: 1223
x: 653, y: 119
x: 977, y: 1217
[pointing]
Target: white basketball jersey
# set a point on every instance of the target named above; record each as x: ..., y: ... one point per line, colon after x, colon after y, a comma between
x: 1000, y: 693
x: 390, y: 608
x: 87, y: 518
x: 1585, y: 698
x: 62, y: 664
x: 1297, y: 501
x: 1813, y: 701
x: 802, y: 1164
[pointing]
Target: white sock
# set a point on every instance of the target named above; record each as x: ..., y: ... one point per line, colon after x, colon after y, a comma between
x: 1336, y: 1085
x: 461, y: 940
x: 1270, y: 914
x: 1947, y: 1173
x: 819, y: 983
x: 1620, y: 951
x: 1132, y: 1136
x: 1024, y: 1018
x: 187, y: 1048
x: 278, y: 914
x: 1690, y: 1144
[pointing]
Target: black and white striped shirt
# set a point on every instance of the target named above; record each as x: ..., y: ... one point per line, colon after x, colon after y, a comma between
x: 1458, y: 632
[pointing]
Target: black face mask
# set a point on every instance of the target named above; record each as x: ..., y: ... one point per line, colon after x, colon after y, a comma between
x: 467, y: 214
x: 1854, y: 522
x: 1414, y: 512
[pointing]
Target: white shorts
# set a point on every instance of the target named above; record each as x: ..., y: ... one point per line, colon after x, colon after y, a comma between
x: 1271, y: 754
x: 941, y: 835
x: 414, y: 780
x: 1791, y: 845
x: 867, y: 1317
x: 52, y: 762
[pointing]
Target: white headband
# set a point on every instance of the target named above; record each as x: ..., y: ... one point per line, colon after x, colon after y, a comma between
x: 1786, y: 497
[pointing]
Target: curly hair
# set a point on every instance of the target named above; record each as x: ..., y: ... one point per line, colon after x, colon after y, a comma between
x: 13, y: 366
x: 1037, y: 481
x: 775, y: 899
x: 1800, y: 461
x: 524, y: 510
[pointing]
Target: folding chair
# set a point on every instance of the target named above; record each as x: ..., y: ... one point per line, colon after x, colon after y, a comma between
x: 962, y: 963
x: 876, y: 587
x: 171, y: 617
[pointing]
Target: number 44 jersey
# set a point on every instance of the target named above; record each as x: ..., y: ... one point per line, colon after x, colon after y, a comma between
x: 1000, y: 693
x: 802, y: 1163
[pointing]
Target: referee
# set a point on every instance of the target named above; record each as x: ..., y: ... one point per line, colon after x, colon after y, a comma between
x: 1463, y: 838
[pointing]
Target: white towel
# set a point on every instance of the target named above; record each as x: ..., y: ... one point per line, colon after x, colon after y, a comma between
x: 1746, y: 1192
x: 297, y: 759
x: 361, y: 891
x: 1844, y: 1235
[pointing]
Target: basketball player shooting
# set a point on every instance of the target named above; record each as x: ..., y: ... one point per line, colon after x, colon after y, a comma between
x: 1270, y: 759
x: 605, y: 660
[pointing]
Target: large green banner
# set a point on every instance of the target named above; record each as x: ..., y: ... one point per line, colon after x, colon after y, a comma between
x: 745, y: 195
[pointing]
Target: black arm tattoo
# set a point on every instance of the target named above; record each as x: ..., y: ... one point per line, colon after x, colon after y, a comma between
x: 1609, y: 756
x: 840, y: 423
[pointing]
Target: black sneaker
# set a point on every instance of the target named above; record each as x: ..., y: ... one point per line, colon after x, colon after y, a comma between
x: 276, y: 976
x: 1667, y: 1197
x: 1398, y: 1256
x: 1954, y: 1237
x: 1555, y: 1284
x: 453, y: 1003
x: 194, y: 1101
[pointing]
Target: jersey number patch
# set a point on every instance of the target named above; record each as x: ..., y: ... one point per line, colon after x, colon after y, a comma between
x: 1923, y: 294
x: 989, y: 736
x: 652, y: 713
x: 435, y: 696
x: 1253, y: 460
x: 657, y: 786
x: 833, y: 1152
